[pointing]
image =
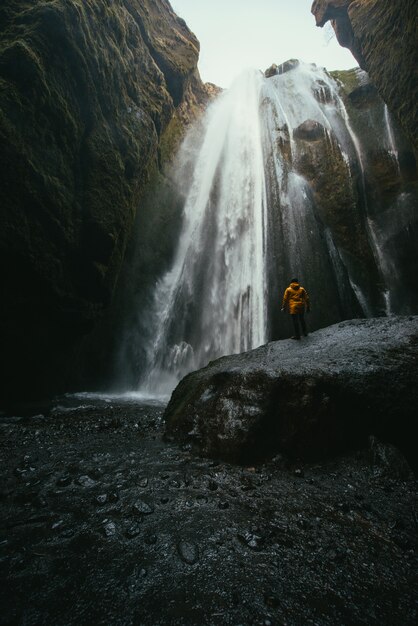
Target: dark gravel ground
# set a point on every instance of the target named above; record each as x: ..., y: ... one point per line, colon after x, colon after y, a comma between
x: 104, y: 523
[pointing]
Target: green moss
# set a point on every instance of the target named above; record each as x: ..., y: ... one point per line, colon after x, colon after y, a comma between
x: 171, y: 139
x: 348, y: 79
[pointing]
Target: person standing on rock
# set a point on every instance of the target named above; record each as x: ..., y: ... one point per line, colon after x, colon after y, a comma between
x: 296, y: 301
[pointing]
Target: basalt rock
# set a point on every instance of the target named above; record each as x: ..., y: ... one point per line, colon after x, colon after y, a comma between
x: 283, y: 68
x: 87, y: 92
x: 381, y: 34
x: 287, y: 66
x: 271, y: 71
x: 309, y: 399
x: 309, y: 131
x: 337, y: 201
x: 390, y: 179
x: 364, y: 96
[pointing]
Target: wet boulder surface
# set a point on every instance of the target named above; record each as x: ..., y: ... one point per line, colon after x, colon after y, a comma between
x: 310, y: 398
x: 103, y: 522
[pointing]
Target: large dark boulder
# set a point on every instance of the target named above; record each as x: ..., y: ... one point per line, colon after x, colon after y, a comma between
x: 310, y: 398
x: 88, y: 91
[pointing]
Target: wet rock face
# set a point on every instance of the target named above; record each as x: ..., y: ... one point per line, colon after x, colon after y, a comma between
x: 323, y: 165
x: 381, y: 35
x: 309, y: 131
x: 308, y: 399
x: 325, y: 10
x: 283, y: 68
x: 390, y: 180
x: 364, y: 96
x: 87, y: 92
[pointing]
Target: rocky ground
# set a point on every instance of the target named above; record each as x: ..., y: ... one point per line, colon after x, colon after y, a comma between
x: 104, y: 523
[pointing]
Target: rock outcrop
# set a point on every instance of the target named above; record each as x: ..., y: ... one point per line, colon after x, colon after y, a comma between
x: 381, y: 34
x: 88, y: 92
x: 307, y: 399
x: 388, y: 189
x: 283, y: 68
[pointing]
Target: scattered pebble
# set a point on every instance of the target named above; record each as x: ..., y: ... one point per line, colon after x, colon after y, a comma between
x: 86, y: 481
x: 142, y: 507
x: 188, y: 552
x: 109, y: 528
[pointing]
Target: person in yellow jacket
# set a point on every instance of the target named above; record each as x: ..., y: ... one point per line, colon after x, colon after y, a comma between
x: 296, y: 301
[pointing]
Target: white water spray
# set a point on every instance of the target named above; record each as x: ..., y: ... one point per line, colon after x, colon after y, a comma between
x: 391, y: 139
x: 213, y: 301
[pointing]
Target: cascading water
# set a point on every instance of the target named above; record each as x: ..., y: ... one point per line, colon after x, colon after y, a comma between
x: 391, y: 139
x: 274, y: 184
x: 213, y: 301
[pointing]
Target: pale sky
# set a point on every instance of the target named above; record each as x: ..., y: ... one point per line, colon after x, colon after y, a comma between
x: 237, y: 34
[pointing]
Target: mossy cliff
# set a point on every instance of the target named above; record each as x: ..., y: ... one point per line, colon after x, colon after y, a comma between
x: 382, y: 37
x: 87, y: 91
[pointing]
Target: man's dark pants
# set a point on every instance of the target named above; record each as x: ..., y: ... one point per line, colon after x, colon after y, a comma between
x: 298, y: 319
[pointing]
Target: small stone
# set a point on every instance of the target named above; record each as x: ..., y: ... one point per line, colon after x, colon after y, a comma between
x: 223, y: 505
x: 86, y: 481
x: 102, y: 498
x: 251, y: 540
x: 142, y: 507
x: 299, y: 472
x: 164, y: 500
x: 188, y: 552
x: 133, y: 530
x: 143, y: 482
x: 212, y: 485
x: 109, y: 529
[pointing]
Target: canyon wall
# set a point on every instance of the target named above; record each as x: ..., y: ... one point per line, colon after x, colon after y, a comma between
x: 381, y: 34
x: 93, y: 96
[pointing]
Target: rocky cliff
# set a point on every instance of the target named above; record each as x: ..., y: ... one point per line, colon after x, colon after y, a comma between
x: 382, y: 37
x: 88, y: 94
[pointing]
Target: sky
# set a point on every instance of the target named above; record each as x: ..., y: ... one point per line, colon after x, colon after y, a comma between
x: 237, y: 34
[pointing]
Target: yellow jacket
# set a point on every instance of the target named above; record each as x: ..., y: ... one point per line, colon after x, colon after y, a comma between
x: 295, y: 299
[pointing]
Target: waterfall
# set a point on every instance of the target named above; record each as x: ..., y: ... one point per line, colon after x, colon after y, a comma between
x: 391, y: 139
x: 213, y: 300
x: 273, y: 181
